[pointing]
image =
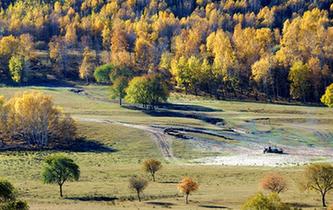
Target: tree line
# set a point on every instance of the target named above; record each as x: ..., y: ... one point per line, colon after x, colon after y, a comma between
x: 227, y: 49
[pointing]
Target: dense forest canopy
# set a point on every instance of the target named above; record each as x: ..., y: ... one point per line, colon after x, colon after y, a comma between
x: 278, y: 49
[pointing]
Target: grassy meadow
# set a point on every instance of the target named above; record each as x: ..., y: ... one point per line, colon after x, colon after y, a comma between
x: 105, y: 172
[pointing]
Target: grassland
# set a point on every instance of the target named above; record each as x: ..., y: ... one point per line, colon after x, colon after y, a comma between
x: 105, y: 172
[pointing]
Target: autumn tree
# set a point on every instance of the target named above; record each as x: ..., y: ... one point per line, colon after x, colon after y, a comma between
x: 88, y: 64
x: 274, y: 182
x: 120, y: 77
x: 299, y: 77
x: 58, y: 53
x: 263, y: 202
x: 181, y: 73
x: 144, y: 54
x: 147, y: 90
x: 32, y: 118
x: 120, y: 44
x: 327, y: 98
x: 102, y: 73
x: 138, y: 184
x: 234, y: 41
x: 187, y: 186
x: 295, y: 44
x: 319, y: 177
x: 151, y: 166
x: 15, y: 52
x: 220, y: 47
x: 58, y: 169
x: 16, y: 66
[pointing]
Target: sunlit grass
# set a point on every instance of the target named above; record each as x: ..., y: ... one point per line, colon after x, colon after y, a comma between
x: 106, y: 173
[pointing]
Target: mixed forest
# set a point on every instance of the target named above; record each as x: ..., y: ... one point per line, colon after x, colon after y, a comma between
x: 259, y: 49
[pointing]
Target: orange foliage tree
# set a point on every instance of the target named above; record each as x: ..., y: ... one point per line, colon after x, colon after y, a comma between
x: 274, y: 182
x: 187, y: 186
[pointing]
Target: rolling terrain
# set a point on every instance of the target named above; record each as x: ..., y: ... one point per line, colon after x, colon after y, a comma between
x: 219, y: 143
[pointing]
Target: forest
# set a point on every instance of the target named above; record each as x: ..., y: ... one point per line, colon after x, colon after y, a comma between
x: 258, y: 49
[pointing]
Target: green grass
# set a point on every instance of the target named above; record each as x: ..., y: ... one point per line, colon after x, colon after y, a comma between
x: 107, y: 173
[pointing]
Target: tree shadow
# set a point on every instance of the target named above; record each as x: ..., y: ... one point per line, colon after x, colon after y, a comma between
x: 213, y: 207
x: 158, y: 203
x: 175, y: 110
x: 301, y: 205
x: 168, y: 182
x: 78, y: 145
x: 187, y: 107
x: 93, y: 198
x: 84, y: 145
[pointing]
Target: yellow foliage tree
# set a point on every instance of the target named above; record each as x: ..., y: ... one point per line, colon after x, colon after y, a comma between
x: 30, y: 118
x: 327, y: 98
x: 88, y: 64
x: 152, y: 166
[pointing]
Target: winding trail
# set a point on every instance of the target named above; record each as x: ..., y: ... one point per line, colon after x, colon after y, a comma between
x: 247, y: 152
x: 163, y: 141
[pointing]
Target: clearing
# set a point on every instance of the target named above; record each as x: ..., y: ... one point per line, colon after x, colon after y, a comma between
x: 219, y: 143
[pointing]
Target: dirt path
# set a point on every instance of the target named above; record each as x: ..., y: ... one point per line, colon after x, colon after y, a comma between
x: 162, y: 140
x: 246, y: 151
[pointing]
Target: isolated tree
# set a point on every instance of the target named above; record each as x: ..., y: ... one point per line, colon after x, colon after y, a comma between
x: 88, y: 64
x: 102, y: 73
x: 147, y: 90
x: 152, y: 166
x: 327, y: 98
x: 263, y: 202
x: 274, y: 182
x: 7, y: 191
x: 319, y: 177
x: 59, y: 169
x: 137, y: 184
x: 16, y: 66
x: 187, y: 186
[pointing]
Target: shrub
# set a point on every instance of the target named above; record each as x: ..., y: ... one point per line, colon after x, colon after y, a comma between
x: 15, y: 205
x: 8, y: 197
x: 7, y: 191
x: 263, y: 202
